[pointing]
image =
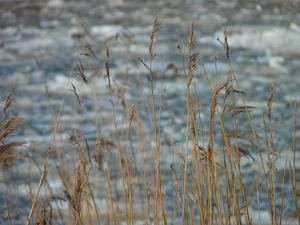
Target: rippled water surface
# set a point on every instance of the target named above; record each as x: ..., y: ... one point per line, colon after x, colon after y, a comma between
x: 41, y: 42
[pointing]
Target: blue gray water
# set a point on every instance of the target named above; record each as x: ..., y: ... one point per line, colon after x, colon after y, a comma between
x: 42, y: 42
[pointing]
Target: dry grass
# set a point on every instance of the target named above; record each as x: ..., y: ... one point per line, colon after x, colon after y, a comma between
x: 208, y: 182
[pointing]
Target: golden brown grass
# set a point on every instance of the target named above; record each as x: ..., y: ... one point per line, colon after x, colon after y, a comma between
x: 208, y: 182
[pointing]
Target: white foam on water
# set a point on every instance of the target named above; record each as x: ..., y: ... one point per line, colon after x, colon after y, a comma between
x: 106, y: 31
x: 55, y: 3
x: 115, y: 2
x: 271, y: 40
x: 63, y: 85
x: 263, y: 217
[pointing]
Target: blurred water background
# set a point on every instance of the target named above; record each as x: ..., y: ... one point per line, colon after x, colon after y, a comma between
x: 42, y: 41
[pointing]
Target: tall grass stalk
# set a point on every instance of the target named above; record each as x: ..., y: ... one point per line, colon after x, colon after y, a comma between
x: 208, y: 182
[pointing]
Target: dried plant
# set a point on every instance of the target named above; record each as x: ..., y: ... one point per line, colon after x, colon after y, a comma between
x: 270, y: 98
x: 9, y: 126
x: 153, y: 34
x: 44, y: 215
x: 80, y: 72
x: 7, y: 153
x: 130, y: 182
x: 8, y: 101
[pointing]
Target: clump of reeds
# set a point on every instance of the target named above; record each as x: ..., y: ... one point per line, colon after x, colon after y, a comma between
x: 7, y: 127
x: 208, y: 181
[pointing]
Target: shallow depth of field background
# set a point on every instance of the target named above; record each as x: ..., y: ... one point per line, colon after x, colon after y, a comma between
x: 43, y: 42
